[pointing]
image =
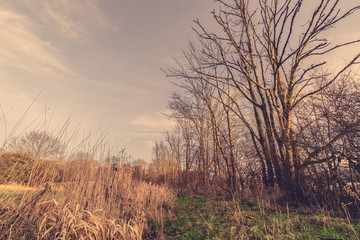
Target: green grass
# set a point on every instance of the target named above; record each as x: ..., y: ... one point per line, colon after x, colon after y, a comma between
x: 200, y: 217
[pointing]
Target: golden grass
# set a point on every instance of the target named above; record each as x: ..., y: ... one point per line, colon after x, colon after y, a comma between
x: 16, y: 188
x: 82, y: 200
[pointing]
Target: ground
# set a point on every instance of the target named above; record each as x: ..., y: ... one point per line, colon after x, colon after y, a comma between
x: 202, y: 217
x: 209, y: 217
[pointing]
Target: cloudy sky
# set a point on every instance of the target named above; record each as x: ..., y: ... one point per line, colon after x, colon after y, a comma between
x: 97, y: 61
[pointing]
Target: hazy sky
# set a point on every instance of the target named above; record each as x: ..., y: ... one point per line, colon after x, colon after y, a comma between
x: 100, y: 59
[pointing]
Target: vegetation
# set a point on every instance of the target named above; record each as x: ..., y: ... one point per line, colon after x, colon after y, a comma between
x: 86, y: 199
x: 39, y: 144
x: 77, y: 200
x: 201, y: 217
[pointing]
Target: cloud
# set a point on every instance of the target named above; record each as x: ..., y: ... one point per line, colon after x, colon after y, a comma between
x: 33, y: 33
x: 71, y: 19
x: 156, y: 123
x: 37, y: 39
x: 21, y: 48
x: 149, y: 144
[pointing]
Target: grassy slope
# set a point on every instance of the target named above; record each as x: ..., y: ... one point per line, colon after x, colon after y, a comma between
x: 199, y: 217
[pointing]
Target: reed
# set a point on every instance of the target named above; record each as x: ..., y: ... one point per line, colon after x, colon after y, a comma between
x: 79, y: 199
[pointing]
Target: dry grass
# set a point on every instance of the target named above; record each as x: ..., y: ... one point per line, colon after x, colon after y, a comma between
x: 15, y: 188
x: 80, y: 200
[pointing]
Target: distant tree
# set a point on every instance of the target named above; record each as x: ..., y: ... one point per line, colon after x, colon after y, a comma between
x: 121, y: 157
x: 39, y: 144
x: 139, y: 162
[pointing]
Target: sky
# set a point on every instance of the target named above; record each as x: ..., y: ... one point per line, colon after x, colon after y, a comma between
x: 98, y: 62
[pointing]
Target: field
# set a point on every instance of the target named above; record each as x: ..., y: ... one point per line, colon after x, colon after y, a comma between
x: 88, y: 200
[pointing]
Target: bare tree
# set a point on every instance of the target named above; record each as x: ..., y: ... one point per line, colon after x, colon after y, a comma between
x: 122, y: 157
x: 271, y: 59
x: 336, y: 111
x: 39, y: 144
x: 194, y: 115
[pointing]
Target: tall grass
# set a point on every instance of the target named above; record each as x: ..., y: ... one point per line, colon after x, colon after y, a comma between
x: 78, y: 200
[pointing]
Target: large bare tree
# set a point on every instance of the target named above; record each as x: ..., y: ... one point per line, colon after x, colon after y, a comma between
x: 265, y: 60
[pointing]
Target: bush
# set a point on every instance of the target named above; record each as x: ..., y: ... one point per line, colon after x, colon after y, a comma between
x: 15, y: 167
